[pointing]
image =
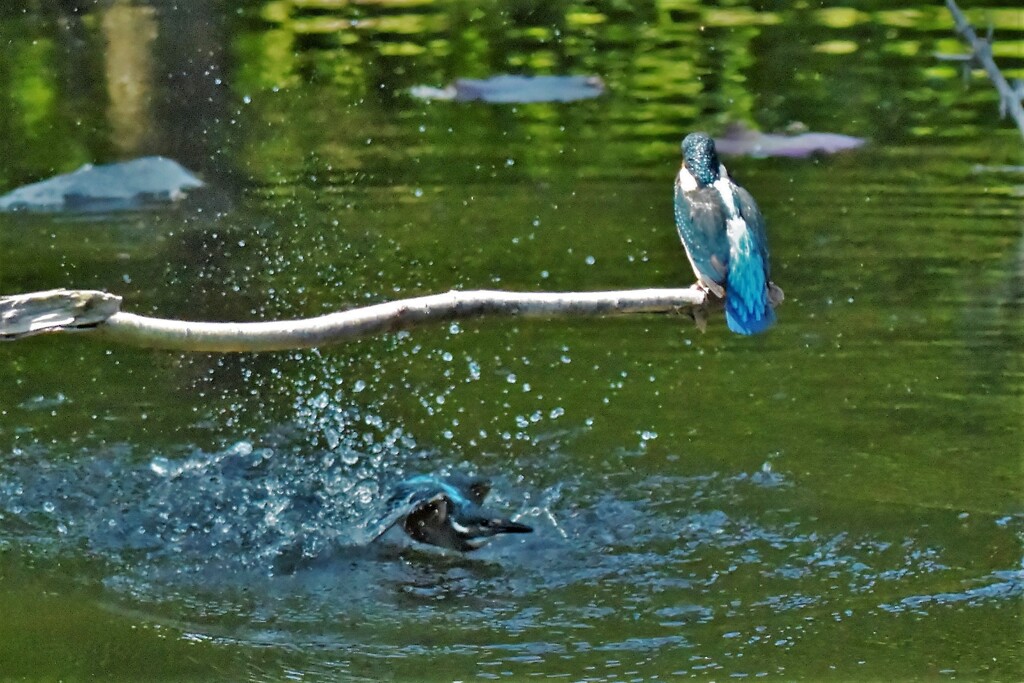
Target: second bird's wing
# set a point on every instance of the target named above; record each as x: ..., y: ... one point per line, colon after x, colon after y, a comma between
x: 700, y: 221
x: 755, y: 224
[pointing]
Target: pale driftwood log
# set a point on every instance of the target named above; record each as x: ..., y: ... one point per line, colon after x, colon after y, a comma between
x: 335, y: 327
x: 981, y: 53
x: 23, y: 315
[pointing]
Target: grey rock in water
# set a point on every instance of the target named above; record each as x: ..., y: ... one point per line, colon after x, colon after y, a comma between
x: 507, y: 89
x: 120, y: 186
x: 739, y: 140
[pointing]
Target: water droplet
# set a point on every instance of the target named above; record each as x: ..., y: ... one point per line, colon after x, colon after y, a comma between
x: 241, y: 448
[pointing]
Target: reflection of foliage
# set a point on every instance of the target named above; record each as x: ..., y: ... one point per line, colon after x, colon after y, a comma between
x: 458, y: 38
x: 670, y: 66
x: 34, y: 114
x: 32, y: 97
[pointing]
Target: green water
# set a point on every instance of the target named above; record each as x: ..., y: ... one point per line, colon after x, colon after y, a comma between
x: 837, y: 499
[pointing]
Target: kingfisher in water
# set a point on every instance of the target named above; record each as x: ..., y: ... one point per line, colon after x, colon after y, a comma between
x: 446, y: 513
x: 724, y: 235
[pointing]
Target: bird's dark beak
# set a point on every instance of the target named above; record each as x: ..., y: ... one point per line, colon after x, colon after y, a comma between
x: 507, y: 526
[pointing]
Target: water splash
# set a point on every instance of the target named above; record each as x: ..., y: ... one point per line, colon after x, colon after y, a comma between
x: 263, y: 543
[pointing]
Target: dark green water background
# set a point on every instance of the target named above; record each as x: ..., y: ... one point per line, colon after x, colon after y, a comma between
x: 837, y: 499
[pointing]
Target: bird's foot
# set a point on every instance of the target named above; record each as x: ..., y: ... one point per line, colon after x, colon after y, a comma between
x: 700, y: 317
x: 711, y: 288
x: 699, y: 312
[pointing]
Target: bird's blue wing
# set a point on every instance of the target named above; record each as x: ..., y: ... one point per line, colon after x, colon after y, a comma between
x: 700, y: 220
x: 399, y: 506
x: 405, y: 499
x: 411, y: 497
x: 748, y: 308
x: 755, y: 224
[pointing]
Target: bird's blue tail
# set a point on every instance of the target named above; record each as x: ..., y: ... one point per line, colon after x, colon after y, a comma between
x: 747, y: 310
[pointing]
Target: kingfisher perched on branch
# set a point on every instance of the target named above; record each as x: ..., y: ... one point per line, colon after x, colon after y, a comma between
x: 724, y: 235
x: 446, y: 512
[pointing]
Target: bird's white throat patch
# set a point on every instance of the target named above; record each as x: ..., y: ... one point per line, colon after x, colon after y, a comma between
x: 687, y: 183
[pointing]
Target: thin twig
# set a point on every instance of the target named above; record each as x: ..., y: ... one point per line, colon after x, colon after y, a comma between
x: 1009, y: 99
x: 360, y: 322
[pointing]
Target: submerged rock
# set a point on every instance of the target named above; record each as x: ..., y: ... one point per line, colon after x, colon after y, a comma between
x: 516, y: 89
x: 120, y: 186
x: 739, y: 140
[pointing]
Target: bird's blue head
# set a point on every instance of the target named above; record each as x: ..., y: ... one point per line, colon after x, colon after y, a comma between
x: 449, y: 514
x: 700, y: 158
